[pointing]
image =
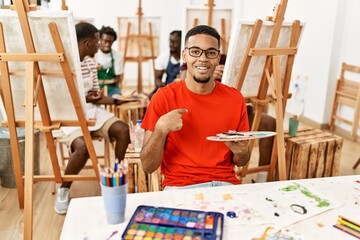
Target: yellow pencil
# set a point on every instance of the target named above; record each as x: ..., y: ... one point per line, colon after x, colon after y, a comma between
x: 348, y: 224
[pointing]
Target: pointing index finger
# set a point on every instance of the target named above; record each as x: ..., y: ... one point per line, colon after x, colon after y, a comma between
x: 182, y: 110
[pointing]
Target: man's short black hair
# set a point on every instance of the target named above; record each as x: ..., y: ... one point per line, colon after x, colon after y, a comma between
x: 203, y: 29
x: 109, y: 31
x: 176, y: 32
x: 85, y: 30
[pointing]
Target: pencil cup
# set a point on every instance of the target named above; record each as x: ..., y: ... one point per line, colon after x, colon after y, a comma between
x: 114, y: 203
x: 293, y: 126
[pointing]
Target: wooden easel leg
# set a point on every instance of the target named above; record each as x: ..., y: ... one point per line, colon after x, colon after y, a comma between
x: 279, y: 120
x: 254, y: 127
x: 273, y: 160
x: 10, y: 112
x: 75, y: 99
x: 29, y: 150
x: 53, y: 157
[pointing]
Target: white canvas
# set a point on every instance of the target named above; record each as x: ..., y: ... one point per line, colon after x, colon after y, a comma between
x: 132, y: 48
x: 239, y: 41
x: 201, y: 13
x: 57, y: 94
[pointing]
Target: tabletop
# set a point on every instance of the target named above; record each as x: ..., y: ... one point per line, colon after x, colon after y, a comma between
x: 257, y: 206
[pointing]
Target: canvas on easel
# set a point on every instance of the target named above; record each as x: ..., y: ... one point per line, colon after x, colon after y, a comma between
x: 221, y: 18
x: 265, y: 69
x: 54, y: 84
x: 238, y: 44
x: 41, y: 88
x: 132, y: 49
x: 140, y: 39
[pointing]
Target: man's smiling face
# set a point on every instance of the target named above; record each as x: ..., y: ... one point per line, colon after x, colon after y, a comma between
x: 201, y: 68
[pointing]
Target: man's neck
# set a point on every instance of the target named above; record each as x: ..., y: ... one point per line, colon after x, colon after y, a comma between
x: 200, y: 88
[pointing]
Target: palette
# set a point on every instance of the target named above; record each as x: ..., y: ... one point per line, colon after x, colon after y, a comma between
x: 155, y: 223
x: 239, y: 136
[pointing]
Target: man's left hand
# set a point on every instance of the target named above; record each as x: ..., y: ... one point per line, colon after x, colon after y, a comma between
x: 238, y: 147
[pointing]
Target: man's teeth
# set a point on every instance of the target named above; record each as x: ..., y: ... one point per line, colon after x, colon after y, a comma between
x: 202, y: 68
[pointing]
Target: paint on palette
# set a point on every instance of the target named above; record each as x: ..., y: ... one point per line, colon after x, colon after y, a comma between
x: 150, y: 222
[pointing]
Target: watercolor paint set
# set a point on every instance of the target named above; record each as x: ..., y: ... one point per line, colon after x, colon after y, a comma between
x: 152, y: 223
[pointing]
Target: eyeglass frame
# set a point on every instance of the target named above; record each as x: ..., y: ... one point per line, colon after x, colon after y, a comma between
x: 202, y: 51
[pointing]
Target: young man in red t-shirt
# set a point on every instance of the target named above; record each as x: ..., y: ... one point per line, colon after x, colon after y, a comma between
x: 182, y: 114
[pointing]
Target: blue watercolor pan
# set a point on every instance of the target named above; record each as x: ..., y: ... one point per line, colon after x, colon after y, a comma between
x: 155, y: 223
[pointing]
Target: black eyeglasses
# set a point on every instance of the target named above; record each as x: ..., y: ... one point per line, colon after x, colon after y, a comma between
x: 197, y: 52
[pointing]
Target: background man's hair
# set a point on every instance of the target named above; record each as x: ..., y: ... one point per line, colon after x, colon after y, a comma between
x: 85, y: 30
x: 109, y: 31
x: 176, y: 32
x: 203, y: 29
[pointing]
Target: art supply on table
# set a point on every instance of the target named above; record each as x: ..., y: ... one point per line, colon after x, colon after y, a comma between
x: 114, y: 177
x: 348, y: 226
x: 150, y: 222
x: 240, y: 136
x: 114, y: 189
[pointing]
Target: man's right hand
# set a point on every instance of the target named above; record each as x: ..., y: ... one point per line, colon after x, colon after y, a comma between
x: 171, y: 121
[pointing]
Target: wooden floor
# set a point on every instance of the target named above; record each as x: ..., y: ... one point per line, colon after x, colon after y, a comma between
x: 48, y: 224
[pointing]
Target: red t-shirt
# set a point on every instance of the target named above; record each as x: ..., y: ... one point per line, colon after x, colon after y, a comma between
x: 189, y: 158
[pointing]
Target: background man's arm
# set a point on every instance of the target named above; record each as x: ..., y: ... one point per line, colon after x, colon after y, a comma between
x: 158, y: 78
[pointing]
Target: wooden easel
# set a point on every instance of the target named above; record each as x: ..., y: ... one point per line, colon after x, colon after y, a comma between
x: 271, y: 76
x: 139, y: 38
x: 35, y: 94
x: 211, y: 4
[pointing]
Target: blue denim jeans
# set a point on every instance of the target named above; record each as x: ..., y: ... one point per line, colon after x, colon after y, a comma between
x: 199, y: 185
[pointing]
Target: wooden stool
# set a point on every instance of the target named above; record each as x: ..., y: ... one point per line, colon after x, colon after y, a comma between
x: 138, y: 180
x: 130, y: 112
x: 312, y: 153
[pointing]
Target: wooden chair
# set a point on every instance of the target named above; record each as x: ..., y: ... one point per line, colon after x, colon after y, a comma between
x: 348, y: 94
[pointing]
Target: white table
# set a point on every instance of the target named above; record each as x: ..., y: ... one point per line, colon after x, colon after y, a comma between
x: 86, y: 216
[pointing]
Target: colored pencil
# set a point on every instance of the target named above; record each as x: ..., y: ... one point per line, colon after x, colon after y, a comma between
x: 347, y: 230
x: 116, y: 165
x: 113, y: 177
x: 348, y: 224
x: 350, y: 221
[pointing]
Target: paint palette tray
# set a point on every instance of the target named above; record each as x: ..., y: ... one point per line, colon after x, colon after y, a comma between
x: 150, y: 222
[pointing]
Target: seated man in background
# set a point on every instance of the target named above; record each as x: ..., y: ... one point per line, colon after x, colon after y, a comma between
x: 107, y: 125
x: 267, y: 123
x: 168, y: 62
x: 111, y: 63
x: 181, y: 115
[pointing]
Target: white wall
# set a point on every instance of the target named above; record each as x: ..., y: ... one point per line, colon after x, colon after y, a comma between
x: 331, y: 35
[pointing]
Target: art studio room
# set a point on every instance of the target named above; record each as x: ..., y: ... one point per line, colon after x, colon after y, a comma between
x: 179, y: 119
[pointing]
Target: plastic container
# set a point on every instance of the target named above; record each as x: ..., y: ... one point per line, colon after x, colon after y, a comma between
x: 7, y: 175
x: 139, y: 136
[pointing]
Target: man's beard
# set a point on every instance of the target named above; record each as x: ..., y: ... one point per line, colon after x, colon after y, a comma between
x: 198, y: 80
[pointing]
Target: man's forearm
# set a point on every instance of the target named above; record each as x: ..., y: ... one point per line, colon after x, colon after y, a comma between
x: 152, y: 151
